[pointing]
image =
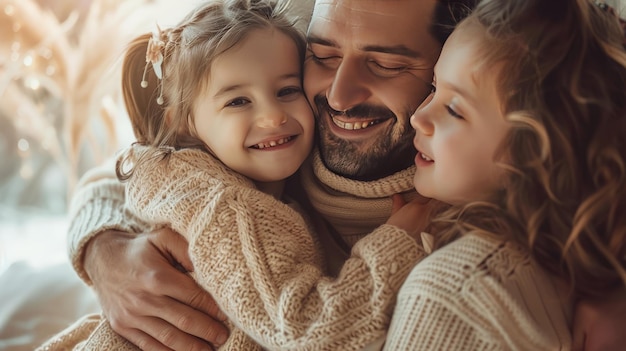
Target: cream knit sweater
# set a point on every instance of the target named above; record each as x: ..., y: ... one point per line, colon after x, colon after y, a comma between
x: 256, y: 257
x: 480, y: 294
x: 429, y: 315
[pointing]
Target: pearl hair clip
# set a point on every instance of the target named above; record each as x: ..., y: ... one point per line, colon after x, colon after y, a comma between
x: 154, y: 56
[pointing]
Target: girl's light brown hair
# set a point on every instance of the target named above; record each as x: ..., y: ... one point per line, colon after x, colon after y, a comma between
x: 190, y: 48
x: 562, y: 80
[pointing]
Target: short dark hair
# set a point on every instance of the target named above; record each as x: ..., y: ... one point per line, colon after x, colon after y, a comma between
x: 447, y: 14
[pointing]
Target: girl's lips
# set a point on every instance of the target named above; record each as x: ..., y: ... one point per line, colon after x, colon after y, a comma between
x: 422, y: 160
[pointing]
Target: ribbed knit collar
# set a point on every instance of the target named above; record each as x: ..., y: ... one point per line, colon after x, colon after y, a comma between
x: 353, y: 208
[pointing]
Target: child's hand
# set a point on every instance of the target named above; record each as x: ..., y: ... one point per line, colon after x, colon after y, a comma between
x: 413, y: 217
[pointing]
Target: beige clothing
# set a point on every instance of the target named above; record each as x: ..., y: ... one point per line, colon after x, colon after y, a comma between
x: 480, y: 294
x: 346, y: 204
x: 256, y: 257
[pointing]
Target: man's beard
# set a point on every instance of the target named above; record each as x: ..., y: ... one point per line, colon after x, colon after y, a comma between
x: 388, y: 154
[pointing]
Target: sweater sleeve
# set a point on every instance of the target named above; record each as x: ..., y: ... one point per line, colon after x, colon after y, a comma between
x: 255, y: 255
x: 96, y: 206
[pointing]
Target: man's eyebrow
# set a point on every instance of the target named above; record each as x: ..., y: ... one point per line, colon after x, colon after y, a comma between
x: 400, y: 50
x: 321, y: 41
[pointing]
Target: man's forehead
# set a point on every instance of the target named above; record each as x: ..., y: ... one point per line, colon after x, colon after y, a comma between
x: 372, y: 22
x: 383, y: 9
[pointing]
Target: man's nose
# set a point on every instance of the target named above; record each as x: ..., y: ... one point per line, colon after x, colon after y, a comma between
x: 350, y: 86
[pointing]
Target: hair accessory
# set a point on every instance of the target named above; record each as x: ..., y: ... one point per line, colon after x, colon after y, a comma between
x: 154, y: 56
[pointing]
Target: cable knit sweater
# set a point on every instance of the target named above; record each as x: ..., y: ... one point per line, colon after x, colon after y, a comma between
x: 256, y: 257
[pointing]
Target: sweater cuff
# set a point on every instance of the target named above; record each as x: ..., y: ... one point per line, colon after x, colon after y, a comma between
x: 96, y: 208
x: 390, y: 250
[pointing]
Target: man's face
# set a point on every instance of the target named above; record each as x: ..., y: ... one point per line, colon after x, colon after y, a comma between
x: 368, y: 67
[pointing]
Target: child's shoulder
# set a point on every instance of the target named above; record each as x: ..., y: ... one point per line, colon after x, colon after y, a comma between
x: 471, y: 261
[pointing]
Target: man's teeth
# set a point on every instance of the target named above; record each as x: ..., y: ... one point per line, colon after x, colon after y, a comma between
x: 425, y: 158
x: 272, y: 143
x: 353, y: 126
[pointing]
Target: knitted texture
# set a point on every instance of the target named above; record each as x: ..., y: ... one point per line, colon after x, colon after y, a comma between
x: 90, y: 333
x: 480, y: 294
x: 258, y: 259
x: 353, y: 208
x: 97, y: 205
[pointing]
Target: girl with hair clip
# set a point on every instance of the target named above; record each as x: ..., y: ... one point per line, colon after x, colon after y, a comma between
x: 523, y: 135
x: 221, y: 122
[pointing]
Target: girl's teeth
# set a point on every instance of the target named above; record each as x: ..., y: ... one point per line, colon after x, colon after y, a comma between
x: 272, y: 143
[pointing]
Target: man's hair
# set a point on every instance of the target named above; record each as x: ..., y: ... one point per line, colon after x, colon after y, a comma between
x: 447, y: 14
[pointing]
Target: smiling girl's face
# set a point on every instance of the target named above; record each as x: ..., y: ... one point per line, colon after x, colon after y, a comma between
x: 459, y: 126
x: 253, y: 114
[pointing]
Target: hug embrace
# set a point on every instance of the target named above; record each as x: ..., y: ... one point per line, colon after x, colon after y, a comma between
x: 432, y: 175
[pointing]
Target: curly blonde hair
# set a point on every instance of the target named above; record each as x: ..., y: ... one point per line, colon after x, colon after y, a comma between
x: 563, y: 88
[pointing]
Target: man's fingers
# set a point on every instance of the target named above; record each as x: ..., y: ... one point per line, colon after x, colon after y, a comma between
x: 199, y: 317
x: 175, y: 245
x: 169, y: 337
x: 186, y: 326
x: 143, y: 340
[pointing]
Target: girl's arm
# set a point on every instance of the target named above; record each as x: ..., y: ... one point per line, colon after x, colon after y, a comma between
x: 255, y: 255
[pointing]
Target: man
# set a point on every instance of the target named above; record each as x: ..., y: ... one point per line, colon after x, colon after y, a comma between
x: 368, y: 68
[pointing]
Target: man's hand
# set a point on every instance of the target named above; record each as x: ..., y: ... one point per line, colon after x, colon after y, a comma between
x: 145, y: 294
x: 600, y: 325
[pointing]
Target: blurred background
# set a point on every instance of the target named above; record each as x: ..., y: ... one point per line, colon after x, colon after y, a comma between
x: 61, y: 113
x: 60, y: 108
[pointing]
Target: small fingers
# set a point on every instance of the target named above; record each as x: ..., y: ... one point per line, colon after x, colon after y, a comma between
x: 397, y: 201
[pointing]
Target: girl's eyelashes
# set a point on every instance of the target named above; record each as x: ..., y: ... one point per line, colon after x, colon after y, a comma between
x: 453, y: 113
x: 433, y: 88
x: 288, y: 91
x: 237, y: 102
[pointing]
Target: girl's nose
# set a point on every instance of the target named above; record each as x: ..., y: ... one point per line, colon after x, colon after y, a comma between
x: 271, y: 117
x: 421, y: 122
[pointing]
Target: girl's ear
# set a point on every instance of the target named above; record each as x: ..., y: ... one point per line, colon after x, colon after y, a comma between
x: 170, y: 121
x: 180, y: 125
x: 168, y: 117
